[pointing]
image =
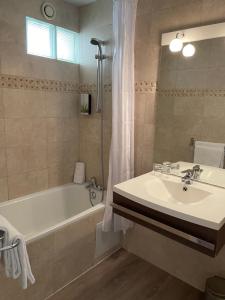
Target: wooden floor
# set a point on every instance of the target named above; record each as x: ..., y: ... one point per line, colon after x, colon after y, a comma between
x: 124, y: 276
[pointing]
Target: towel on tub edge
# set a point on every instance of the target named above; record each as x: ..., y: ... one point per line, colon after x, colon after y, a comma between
x: 16, y: 260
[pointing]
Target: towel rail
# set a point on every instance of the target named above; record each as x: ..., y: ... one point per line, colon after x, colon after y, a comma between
x: 9, y: 247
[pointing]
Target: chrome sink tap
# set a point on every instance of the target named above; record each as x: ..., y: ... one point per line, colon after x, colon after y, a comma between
x: 196, y: 172
x: 187, y: 179
x: 190, y: 175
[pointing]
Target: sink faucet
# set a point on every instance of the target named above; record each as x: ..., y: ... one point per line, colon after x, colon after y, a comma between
x: 190, y: 175
x: 196, y: 172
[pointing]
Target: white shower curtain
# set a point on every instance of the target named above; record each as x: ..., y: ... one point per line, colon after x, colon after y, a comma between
x: 121, y: 162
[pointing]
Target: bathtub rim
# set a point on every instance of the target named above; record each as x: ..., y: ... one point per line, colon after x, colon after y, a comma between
x: 33, y: 237
x: 45, y: 192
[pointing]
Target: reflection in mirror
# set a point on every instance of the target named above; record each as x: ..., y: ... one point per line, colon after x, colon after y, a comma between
x: 190, y: 113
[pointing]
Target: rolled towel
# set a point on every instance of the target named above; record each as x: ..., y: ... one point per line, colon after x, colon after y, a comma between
x: 16, y: 260
x: 210, y: 154
x: 79, y: 174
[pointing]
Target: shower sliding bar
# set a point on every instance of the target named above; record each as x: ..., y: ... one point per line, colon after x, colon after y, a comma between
x: 10, y: 247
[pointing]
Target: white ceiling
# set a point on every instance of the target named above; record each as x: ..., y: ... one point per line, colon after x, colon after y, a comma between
x: 80, y: 2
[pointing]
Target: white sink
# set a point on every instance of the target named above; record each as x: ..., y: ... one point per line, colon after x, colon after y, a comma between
x: 171, y: 191
x: 201, y: 204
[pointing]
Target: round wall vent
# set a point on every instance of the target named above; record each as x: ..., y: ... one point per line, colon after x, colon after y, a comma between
x: 48, y: 10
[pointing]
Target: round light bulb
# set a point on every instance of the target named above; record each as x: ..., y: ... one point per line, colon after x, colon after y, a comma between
x: 176, y: 45
x: 188, y: 50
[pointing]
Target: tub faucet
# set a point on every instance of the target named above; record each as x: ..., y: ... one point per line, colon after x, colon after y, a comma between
x: 92, y: 184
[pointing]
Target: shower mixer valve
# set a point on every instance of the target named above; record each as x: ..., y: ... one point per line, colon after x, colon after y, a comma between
x: 92, y: 184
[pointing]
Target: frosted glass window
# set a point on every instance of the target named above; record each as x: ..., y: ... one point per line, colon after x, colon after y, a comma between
x: 40, y: 38
x: 66, y: 45
x: 47, y: 40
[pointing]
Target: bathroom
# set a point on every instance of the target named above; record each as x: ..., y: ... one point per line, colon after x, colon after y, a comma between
x: 112, y: 141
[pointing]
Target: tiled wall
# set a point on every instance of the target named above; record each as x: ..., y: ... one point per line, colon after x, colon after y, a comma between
x: 95, y: 21
x: 38, y: 105
x: 155, y: 17
x: 190, y: 100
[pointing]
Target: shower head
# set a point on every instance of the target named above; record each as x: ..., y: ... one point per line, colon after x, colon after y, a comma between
x: 97, y: 42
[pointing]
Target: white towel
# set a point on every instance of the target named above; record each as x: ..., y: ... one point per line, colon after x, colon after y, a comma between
x: 210, y: 154
x: 79, y: 175
x: 16, y: 260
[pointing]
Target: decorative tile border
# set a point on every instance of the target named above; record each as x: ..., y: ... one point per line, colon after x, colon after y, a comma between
x: 92, y: 88
x: 191, y: 92
x: 146, y: 87
x: 88, y: 88
x: 19, y: 82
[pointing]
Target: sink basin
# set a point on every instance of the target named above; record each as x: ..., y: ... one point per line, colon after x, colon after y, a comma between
x: 201, y: 204
x: 170, y: 191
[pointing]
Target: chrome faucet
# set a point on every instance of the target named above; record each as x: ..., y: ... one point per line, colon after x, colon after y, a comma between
x: 190, y: 175
x: 197, y: 172
x: 92, y: 184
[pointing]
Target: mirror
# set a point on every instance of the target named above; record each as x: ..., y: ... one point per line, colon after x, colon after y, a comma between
x: 190, y: 109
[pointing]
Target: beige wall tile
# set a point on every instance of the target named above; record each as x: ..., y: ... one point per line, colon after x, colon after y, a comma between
x: 62, y: 105
x: 27, y: 183
x: 2, y: 133
x: 3, y: 168
x: 71, y: 129
x: 55, y: 153
x: 55, y: 128
x: 63, y: 129
x: 2, y: 111
x: 25, y: 131
x: 20, y: 103
x: 66, y: 152
x: 55, y: 105
x: 67, y: 250
x: 60, y: 174
x: 3, y: 189
x: 140, y: 105
x: 27, y: 158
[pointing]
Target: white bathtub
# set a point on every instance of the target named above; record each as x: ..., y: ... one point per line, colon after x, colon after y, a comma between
x: 59, y: 226
x: 39, y: 214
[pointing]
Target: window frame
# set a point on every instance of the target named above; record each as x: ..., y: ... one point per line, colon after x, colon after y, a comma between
x: 53, y: 40
x: 75, y: 37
